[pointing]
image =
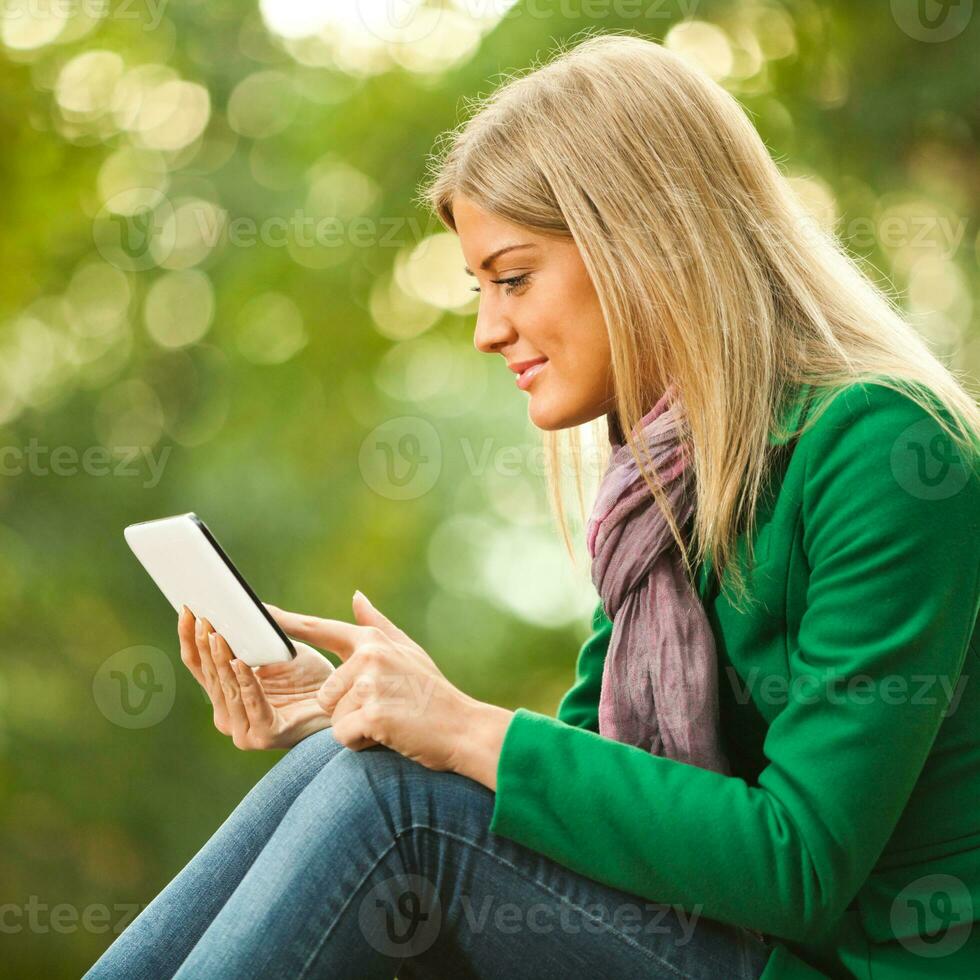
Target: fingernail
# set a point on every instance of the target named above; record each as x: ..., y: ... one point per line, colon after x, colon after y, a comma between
x: 213, y: 640
x: 199, y: 627
x: 363, y: 596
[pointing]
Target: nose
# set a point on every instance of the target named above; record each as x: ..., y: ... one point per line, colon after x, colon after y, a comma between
x: 493, y: 330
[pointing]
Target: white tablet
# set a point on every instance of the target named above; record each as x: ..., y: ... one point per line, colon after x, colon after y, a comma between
x: 190, y: 568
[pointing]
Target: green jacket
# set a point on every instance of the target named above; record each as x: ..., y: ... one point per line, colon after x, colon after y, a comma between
x: 849, y: 831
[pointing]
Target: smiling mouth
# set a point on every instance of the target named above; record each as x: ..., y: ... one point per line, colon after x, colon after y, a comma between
x: 526, y: 376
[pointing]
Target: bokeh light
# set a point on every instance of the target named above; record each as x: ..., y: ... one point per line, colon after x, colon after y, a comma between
x: 433, y: 272
x: 27, y: 24
x: 179, y: 307
x: 704, y: 45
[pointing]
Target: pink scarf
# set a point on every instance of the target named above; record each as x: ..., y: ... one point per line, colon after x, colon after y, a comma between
x: 659, y: 681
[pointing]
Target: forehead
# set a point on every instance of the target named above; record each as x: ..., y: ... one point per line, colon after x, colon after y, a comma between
x: 475, y: 222
x: 482, y: 233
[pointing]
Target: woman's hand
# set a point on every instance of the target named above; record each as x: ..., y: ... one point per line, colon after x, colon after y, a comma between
x: 271, y: 707
x: 388, y: 690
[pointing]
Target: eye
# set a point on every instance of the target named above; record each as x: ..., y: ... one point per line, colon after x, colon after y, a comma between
x: 514, y: 282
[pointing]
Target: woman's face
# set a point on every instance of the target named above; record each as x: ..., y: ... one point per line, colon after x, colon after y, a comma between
x: 537, y: 303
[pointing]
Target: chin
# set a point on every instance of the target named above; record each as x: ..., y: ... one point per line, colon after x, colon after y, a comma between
x: 550, y: 417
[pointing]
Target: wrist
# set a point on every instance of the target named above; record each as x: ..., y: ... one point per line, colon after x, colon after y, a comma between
x: 480, y: 742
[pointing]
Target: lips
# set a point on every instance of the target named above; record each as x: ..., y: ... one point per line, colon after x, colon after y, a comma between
x: 518, y: 366
x: 527, y: 376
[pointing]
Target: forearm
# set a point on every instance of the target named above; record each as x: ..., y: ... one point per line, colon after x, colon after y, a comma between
x: 486, y: 725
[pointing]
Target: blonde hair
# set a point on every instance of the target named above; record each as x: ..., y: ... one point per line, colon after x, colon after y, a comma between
x: 709, y: 272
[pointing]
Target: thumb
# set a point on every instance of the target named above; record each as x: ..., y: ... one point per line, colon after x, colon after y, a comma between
x: 366, y: 615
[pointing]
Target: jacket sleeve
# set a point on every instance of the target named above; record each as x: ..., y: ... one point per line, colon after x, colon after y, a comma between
x: 580, y: 705
x: 894, y: 591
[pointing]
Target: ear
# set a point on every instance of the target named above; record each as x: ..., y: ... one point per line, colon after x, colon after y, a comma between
x: 366, y: 615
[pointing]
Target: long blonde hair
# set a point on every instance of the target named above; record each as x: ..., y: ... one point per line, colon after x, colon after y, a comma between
x: 709, y: 271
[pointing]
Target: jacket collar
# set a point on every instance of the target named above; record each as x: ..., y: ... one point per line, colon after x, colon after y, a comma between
x: 792, y: 417
x: 793, y: 412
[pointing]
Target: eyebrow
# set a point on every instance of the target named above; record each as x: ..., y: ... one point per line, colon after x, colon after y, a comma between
x: 488, y: 261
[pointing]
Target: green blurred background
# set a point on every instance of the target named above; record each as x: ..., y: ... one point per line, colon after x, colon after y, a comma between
x: 218, y: 294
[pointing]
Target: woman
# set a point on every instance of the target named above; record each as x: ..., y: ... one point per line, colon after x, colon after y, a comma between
x: 765, y: 765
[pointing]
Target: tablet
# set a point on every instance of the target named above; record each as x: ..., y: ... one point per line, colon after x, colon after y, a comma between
x: 190, y: 568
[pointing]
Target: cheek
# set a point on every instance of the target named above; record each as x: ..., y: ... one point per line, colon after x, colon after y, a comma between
x: 565, y: 324
x: 582, y: 379
x: 584, y: 354
x: 576, y: 383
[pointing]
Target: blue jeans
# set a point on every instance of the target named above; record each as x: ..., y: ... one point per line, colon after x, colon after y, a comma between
x: 367, y: 865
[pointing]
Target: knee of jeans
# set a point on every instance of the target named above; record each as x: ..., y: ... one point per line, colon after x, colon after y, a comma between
x: 403, y: 793
x: 308, y: 756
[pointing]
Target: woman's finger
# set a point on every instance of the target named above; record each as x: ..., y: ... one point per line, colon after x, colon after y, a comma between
x: 331, y: 634
x: 210, y: 672
x: 203, y: 655
x: 221, y: 657
x: 334, y: 688
x: 349, y: 729
x: 188, y: 644
x: 261, y: 717
x: 340, y: 696
x: 367, y: 614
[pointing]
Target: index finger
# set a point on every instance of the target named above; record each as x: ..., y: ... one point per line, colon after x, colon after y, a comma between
x: 332, y: 634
